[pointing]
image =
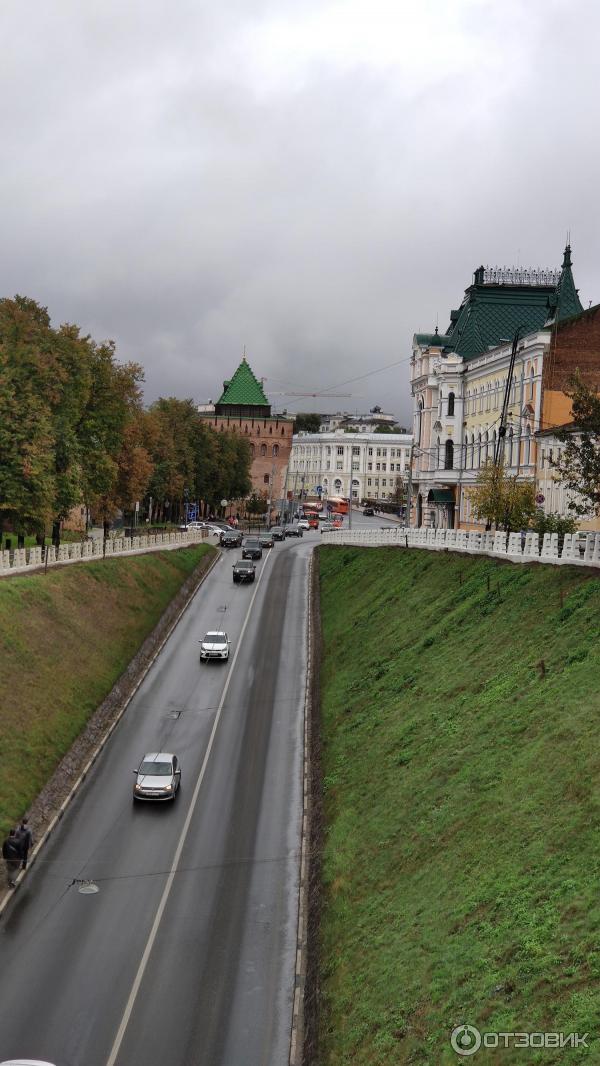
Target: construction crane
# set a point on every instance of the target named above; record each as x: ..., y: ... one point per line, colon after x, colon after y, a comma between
x: 314, y: 395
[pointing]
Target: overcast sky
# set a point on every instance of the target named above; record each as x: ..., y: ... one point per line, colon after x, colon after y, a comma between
x: 315, y: 180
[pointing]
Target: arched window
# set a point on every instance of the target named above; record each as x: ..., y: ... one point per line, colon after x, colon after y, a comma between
x: 531, y: 381
x: 419, y: 420
x: 510, y: 446
x: 449, y: 455
x: 275, y: 449
x: 479, y: 449
x: 337, y: 485
x: 472, y: 455
x: 263, y: 449
x: 465, y: 451
x: 283, y: 431
x: 266, y: 479
x: 439, y: 445
x: 527, y: 448
x: 486, y: 444
x: 450, y: 403
x: 258, y: 431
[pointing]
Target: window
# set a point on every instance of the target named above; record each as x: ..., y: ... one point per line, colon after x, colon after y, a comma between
x: 378, y: 466
x: 527, y: 448
x: 384, y: 481
x: 339, y: 465
x: 369, y: 466
x: 384, y: 466
x: 449, y: 455
x: 450, y: 403
x: 263, y: 449
x: 439, y: 444
x: 370, y: 451
x: 379, y: 451
x: 328, y: 465
x: 531, y: 386
x: 328, y: 450
x: 479, y: 449
x: 356, y: 451
x: 510, y: 446
x: 369, y: 481
x: 275, y: 450
x: 355, y: 466
x: 266, y: 479
x: 392, y: 467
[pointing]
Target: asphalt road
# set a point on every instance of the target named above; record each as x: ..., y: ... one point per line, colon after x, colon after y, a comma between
x: 185, y: 956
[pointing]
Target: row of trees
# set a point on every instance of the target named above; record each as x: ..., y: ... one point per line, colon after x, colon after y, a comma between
x: 74, y: 431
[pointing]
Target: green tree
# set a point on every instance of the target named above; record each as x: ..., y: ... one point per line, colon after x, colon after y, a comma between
x: 578, y: 466
x: 503, y: 501
x: 307, y: 423
x: 552, y: 523
x: 257, y: 504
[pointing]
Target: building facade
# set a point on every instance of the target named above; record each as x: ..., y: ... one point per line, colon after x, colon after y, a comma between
x: 361, y: 466
x: 459, y: 384
x: 244, y: 408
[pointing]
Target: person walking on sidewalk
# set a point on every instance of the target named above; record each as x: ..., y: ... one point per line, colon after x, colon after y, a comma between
x: 11, y: 853
x: 25, y: 840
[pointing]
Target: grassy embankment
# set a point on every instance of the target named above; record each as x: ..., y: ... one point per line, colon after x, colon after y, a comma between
x: 462, y: 802
x: 65, y: 638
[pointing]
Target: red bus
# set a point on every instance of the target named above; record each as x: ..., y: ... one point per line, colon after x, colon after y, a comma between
x: 337, y: 504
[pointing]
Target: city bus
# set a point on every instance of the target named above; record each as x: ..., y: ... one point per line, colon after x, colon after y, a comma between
x: 337, y: 504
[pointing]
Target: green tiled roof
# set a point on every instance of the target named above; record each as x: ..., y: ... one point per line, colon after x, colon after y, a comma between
x: 491, y: 313
x: 244, y: 389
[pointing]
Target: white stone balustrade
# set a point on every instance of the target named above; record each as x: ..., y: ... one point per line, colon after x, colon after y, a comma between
x: 23, y: 559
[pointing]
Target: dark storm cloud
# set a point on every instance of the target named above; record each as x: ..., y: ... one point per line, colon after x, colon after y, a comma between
x: 314, y: 180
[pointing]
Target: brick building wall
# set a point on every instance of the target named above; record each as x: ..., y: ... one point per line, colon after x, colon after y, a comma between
x: 271, y: 442
x: 574, y: 345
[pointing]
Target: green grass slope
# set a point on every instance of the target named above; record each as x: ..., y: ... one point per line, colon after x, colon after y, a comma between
x: 461, y: 762
x: 65, y: 638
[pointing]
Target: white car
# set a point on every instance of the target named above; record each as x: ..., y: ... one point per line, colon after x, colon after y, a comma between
x: 303, y: 523
x: 25, y: 1062
x: 214, y: 646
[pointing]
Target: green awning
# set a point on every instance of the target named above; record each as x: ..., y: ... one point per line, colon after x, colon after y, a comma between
x: 441, y: 496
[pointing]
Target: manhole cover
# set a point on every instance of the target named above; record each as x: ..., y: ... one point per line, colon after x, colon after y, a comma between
x: 173, y: 714
x: 88, y: 888
x: 221, y: 609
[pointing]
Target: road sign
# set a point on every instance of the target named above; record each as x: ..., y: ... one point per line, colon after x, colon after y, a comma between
x: 224, y: 503
x: 318, y: 489
x: 540, y: 498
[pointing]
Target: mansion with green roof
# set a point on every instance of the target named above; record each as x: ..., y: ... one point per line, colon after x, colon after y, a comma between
x: 459, y: 381
x: 244, y: 408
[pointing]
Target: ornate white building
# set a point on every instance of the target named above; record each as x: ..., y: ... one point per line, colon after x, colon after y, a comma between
x: 360, y: 465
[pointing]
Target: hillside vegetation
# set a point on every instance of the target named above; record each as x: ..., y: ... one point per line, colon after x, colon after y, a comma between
x: 65, y: 638
x: 461, y: 762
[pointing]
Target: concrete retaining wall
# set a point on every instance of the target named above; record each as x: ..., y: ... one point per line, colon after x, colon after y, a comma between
x: 512, y: 547
x: 24, y: 560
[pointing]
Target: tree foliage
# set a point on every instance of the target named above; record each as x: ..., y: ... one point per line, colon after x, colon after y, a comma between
x: 578, y: 466
x: 307, y: 423
x: 503, y: 501
x: 73, y: 431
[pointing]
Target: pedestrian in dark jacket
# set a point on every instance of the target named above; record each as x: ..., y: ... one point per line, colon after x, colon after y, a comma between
x: 25, y: 840
x: 11, y: 853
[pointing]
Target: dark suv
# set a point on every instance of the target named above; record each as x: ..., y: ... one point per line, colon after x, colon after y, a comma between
x: 277, y: 532
x: 231, y: 539
x: 293, y: 531
x: 252, y: 548
x: 244, y: 570
x: 368, y: 511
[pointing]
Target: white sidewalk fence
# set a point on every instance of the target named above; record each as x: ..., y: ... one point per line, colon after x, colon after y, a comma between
x: 513, y: 547
x: 24, y: 560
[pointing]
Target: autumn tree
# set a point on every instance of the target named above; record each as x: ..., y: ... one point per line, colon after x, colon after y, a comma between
x: 503, y: 501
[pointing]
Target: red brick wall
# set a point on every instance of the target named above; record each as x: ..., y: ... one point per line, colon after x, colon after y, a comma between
x: 267, y: 433
x: 574, y: 346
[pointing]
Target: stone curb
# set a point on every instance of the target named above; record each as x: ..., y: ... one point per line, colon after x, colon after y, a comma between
x: 297, y: 1034
x: 9, y: 894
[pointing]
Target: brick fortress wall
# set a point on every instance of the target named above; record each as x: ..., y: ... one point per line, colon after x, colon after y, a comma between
x: 271, y: 442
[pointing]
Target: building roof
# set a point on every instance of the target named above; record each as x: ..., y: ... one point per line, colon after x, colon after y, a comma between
x: 244, y: 389
x: 500, y: 301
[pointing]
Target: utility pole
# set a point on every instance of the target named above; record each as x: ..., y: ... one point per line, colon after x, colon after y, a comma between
x: 499, y: 449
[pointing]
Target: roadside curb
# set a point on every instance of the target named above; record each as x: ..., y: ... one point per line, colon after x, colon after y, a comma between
x: 297, y: 1034
x: 10, y: 893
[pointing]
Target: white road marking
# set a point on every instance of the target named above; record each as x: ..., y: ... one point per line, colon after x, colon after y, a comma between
x: 112, y: 1058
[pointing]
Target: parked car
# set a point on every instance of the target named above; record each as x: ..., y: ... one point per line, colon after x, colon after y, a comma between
x: 158, y: 777
x: 231, y: 538
x: 243, y: 570
x: 214, y: 646
x: 326, y: 527
x: 303, y: 523
x: 368, y: 511
x: 278, y: 533
x: 293, y: 531
x: 252, y: 548
x: 266, y: 540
